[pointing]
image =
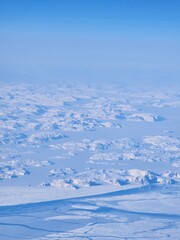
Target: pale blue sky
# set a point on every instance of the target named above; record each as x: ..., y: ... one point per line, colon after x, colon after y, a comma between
x: 121, y: 40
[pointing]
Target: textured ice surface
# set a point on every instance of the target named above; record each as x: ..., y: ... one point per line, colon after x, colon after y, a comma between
x: 108, y: 155
x: 92, y: 177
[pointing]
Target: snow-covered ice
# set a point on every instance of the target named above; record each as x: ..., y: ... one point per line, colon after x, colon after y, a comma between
x: 82, y: 162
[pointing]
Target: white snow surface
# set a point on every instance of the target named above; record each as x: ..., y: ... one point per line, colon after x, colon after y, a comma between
x: 86, y: 162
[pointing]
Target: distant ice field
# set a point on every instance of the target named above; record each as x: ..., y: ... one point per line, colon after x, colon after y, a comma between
x: 81, y: 161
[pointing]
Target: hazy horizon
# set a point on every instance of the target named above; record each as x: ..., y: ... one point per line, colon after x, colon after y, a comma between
x: 123, y: 41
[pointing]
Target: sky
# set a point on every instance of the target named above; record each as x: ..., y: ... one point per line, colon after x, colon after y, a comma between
x: 90, y: 40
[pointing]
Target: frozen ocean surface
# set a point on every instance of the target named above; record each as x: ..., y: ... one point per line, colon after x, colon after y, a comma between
x: 82, y: 161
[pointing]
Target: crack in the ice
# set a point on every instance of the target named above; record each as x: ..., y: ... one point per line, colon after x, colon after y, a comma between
x: 28, y: 227
x: 149, y: 214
